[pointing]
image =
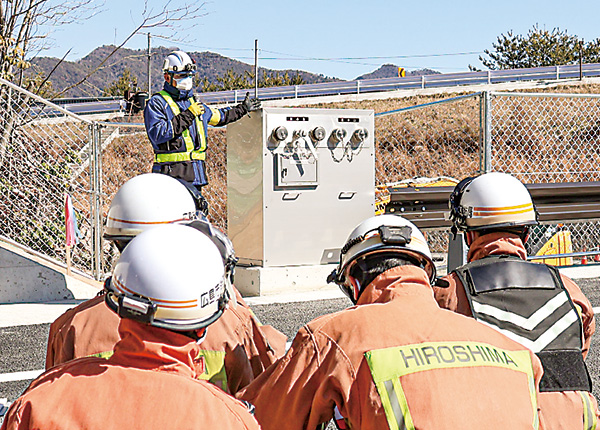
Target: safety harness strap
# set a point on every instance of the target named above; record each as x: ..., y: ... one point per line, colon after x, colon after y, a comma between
x: 189, y: 153
x: 528, y: 303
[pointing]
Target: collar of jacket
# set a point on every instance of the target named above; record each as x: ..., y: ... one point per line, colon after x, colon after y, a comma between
x: 396, y: 282
x: 178, y: 94
x: 496, y: 244
x: 151, y: 348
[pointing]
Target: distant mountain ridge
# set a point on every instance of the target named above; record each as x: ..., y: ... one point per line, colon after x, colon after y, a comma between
x: 391, y: 71
x: 210, y: 65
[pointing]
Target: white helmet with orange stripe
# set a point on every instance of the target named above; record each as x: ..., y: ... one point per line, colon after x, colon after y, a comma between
x: 385, y: 236
x: 491, y: 201
x: 171, y: 277
x: 146, y: 201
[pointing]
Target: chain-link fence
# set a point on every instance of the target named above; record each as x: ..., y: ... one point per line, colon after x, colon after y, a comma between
x: 438, y: 139
x: 126, y: 152
x: 547, y: 138
x: 539, y: 138
x: 46, y: 152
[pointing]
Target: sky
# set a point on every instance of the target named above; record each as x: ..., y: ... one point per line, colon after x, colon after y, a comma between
x: 342, y: 39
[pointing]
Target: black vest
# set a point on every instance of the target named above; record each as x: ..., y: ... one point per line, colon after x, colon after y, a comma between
x: 529, y: 304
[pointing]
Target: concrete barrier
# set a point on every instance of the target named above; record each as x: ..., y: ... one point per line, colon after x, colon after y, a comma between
x: 28, y: 278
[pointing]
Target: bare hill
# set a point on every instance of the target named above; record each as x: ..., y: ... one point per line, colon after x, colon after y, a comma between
x: 210, y: 64
x: 391, y: 71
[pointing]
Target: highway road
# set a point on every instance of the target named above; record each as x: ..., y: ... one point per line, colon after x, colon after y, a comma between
x: 550, y: 73
x: 24, y: 346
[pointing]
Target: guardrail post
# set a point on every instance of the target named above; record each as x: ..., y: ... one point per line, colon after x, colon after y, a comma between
x: 422, y: 81
x: 357, y: 87
x: 235, y: 96
x: 557, y: 73
x: 489, y: 76
x: 295, y: 91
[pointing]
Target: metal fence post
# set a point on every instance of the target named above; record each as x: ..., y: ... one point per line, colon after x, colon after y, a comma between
x: 96, y: 200
x: 357, y: 87
x: 422, y: 81
x: 486, y: 164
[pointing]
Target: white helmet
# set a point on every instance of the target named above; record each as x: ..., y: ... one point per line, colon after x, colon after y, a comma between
x: 225, y: 248
x: 390, y: 234
x: 491, y: 200
x: 179, y: 62
x: 170, y: 277
x: 147, y: 201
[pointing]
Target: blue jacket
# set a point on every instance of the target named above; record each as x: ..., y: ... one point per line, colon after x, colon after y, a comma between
x: 165, y: 129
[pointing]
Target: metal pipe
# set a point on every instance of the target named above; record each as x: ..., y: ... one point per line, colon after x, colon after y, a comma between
x: 487, y: 132
x: 43, y: 101
x: 547, y: 95
x: 580, y: 60
x: 149, y: 63
x: 96, y: 196
x: 409, y: 108
x: 255, y: 68
x: 570, y: 254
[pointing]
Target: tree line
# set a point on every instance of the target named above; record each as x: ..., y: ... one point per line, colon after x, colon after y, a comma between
x: 230, y: 80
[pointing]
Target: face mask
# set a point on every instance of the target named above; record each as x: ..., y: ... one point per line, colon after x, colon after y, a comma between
x: 184, y: 84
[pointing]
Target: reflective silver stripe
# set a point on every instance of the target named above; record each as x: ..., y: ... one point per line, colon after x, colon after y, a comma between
x: 527, y: 323
x: 545, y: 338
x: 389, y: 386
x: 589, y: 419
x: 532, y: 392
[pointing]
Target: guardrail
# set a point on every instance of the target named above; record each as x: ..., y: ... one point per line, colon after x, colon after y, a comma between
x: 362, y: 86
x: 427, y: 207
x: 412, y: 82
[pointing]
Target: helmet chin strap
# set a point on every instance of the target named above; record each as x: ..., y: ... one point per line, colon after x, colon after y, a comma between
x: 356, y: 286
x: 201, y: 335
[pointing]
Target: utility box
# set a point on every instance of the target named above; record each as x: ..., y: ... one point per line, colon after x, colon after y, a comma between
x: 298, y: 182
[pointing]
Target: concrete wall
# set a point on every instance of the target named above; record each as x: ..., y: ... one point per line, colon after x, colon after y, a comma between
x: 27, y: 278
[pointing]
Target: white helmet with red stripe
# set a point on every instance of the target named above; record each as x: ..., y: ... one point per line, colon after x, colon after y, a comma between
x: 171, y: 277
x: 146, y: 201
x: 491, y: 201
x: 387, y: 235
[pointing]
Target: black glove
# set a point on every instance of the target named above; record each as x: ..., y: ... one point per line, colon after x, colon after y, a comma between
x: 251, y: 104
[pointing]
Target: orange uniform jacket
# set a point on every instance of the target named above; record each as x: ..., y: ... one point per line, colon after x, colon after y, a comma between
x: 437, y: 366
x: 91, y: 328
x: 148, y: 383
x: 560, y: 410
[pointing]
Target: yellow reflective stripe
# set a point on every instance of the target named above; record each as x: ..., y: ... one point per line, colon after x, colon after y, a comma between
x: 389, y: 364
x: 589, y: 415
x: 507, y: 210
x: 179, y: 156
x: 190, y: 153
x: 407, y: 359
x: 395, y: 405
x: 255, y: 318
x: 215, y: 117
x: 105, y: 354
x: 214, y: 368
x: 533, y: 397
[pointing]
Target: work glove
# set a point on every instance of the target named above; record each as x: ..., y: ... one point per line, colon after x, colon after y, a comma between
x: 251, y: 104
x: 196, y: 109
